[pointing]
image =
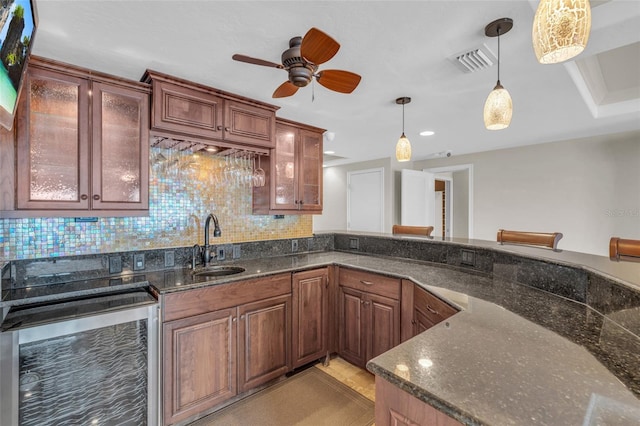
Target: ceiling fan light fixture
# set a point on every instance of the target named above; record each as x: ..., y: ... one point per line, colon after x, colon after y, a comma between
x: 560, y: 29
x: 498, y: 108
x: 403, y: 147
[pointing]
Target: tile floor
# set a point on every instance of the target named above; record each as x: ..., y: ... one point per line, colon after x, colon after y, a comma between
x: 356, y: 378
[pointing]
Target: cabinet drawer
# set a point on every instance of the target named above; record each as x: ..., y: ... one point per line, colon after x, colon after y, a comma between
x: 432, y: 307
x: 371, y: 283
x: 198, y: 301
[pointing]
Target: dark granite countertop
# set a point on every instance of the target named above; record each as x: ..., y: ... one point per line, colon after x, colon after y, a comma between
x: 515, y: 354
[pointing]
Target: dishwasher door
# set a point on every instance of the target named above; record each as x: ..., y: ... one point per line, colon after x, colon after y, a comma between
x: 98, y: 369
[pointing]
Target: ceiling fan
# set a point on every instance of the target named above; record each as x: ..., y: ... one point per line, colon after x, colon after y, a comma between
x: 301, y: 61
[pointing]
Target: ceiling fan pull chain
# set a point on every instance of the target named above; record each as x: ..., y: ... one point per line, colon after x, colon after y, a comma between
x: 313, y: 90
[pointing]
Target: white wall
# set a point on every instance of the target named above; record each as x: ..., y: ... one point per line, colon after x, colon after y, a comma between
x: 588, y: 189
x: 334, y: 214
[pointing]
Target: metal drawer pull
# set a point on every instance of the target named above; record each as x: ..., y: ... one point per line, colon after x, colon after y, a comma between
x: 433, y: 311
x: 366, y: 282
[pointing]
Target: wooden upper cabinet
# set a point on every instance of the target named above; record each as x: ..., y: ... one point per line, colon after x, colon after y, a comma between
x: 294, y: 172
x: 82, y: 145
x: 187, y: 110
x: 53, y: 142
x: 120, y: 148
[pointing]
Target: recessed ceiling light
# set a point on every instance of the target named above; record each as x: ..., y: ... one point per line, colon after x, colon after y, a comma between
x: 329, y: 152
x: 427, y: 133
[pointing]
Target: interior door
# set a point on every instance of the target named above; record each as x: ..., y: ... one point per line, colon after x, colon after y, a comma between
x: 365, y: 200
x: 417, y: 201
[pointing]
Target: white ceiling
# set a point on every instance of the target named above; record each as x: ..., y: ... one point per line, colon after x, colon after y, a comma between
x: 399, y: 49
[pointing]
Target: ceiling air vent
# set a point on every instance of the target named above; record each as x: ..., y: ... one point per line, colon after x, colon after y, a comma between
x: 475, y: 59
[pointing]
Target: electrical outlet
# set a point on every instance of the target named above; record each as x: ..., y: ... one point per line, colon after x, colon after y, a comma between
x: 220, y: 253
x: 468, y: 257
x: 354, y: 244
x: 169, y: 259
x: 115, y: 264
x: 236, y: 252
x: 138, y: 261
x: 294, y: 246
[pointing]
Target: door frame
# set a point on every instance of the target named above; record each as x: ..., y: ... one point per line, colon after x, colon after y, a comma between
x: 457, y: 168
x: 380, y: 170
x: 448, y: 210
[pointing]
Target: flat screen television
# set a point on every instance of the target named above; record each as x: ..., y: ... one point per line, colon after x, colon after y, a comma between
x: 18, y: 23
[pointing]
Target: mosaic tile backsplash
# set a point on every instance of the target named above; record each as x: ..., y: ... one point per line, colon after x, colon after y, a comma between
x: 183, y: 189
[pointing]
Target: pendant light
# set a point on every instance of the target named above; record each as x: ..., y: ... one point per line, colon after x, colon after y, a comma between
x: 560, y: 29
x: 498, y: 107
x: 403, y: 147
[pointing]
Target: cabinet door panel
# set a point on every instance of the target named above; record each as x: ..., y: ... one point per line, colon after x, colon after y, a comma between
x: 199, y: 363
x: 53, y: 151
x: 310, y: 316
x: 352, y: 341
x: 120, y: 155
x: 249, y: 124
x: 283, y: 170
x: 310, y: 173
x: 383, y: 324
x: 188, y: 111
x: 264, y: 341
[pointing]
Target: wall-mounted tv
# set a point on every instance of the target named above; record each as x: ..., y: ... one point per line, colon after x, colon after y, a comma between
x: 18, y: 23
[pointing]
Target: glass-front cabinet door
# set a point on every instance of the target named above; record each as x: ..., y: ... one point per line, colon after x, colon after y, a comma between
x: 310, y: 170
x: 284, y: 168
x: 82, y: 144
x: 53, y: 148
x: 120, y: 148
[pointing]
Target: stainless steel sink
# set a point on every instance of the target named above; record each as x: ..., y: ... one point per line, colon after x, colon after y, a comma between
x: 219, y: 271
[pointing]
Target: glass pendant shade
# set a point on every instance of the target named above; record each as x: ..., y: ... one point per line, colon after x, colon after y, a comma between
x: 560, y: 29
x: 498, y: 109
x: 403, y: 149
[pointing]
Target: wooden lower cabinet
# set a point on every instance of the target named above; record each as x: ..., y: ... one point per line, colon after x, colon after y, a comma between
x: 310, y: 340
x: 395, y: 407
x: 428, y: 310
x: 369, y: 315
x: 199, y: 363
x: 264, y: 341
x: 210, y: 357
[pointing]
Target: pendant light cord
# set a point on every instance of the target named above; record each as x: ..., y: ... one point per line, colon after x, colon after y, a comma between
x: 403, y: 118
x: 498, y: 29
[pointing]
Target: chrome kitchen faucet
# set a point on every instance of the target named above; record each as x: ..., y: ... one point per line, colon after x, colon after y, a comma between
x: 206, y: 250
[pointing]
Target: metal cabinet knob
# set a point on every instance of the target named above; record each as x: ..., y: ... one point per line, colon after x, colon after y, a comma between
x: 84, y: 197
x: 96, y: 197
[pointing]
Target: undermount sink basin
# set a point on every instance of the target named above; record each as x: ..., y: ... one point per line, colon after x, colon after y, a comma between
x: 219, y: 271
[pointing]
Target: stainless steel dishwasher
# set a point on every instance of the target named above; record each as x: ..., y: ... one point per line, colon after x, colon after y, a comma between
x: 82, y: 361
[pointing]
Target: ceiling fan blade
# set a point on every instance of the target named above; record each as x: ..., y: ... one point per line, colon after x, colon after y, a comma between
x: 338, y: 80
x: 317, y: 47
x: 255, y: 61
x: 285, y: 89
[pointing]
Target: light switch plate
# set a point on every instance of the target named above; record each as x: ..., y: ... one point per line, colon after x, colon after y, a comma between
x: 294, y: 246
x: 115, y: 264
x: 236, y: 252
x: 169, y: 259
x: 220, y: 253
